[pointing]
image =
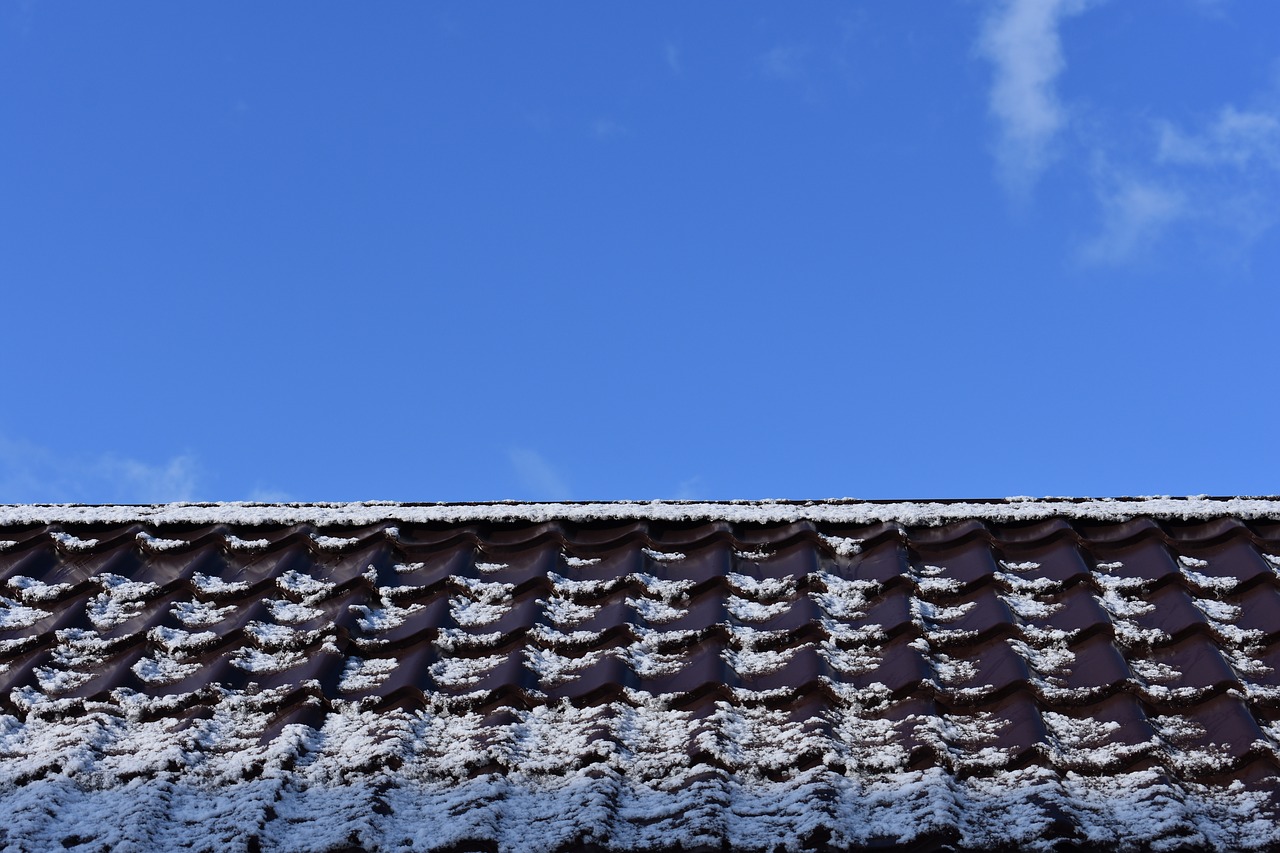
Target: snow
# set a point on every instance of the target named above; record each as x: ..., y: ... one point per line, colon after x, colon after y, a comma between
x: 844, y: 599
x: 468, y: 613
x: 15, y: 615
x: 359, y: 675
x: 663, y: 557
x: 579, y: 562
x: 121, y: 599
x: 313, y: 788
x: 71, y: 543
x: 843, y: 546
x: 746, y: 610
x: 178, y: 641
x: 843, y: 511
x: 235, y: 543
x: 155, y: 543
x: 333, y: 543
x: 767, y: 588
x: 1029, y: 606
x: 1208, y: 582
x: 218, y: 587
x: 126, y: 770
x: 257, y: 661
x: 290, y: 612
x: 463, y: 672
x: 310, y: 589
x: 163, y: 670
x: 656, y: 612
x: 376, y: 619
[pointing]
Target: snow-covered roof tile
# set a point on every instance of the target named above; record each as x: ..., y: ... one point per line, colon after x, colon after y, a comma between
x: 792, y: 675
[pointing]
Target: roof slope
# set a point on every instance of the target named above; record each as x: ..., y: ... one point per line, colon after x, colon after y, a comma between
x: 641, y: 676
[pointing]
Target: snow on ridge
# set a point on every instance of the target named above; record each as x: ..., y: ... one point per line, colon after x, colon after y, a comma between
x: 842, y: 511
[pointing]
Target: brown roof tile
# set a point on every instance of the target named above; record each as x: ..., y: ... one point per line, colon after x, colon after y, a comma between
x: 827, y: 676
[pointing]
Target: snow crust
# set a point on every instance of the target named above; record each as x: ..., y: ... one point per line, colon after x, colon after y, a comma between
x: 836, y: 511
x: 621, y: 775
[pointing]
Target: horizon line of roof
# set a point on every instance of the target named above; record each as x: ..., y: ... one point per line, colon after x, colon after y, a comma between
x: 923, y: 513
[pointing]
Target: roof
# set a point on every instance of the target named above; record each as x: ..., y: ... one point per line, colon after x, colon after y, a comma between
x: 763, y: 675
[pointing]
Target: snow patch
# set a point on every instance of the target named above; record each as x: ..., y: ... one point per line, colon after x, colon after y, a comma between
x: 360, y: 675
x: 30, y: 589
x: 333, y: 543
x: 71, y: 543
x: 218, y: 587
x: 843, y: 546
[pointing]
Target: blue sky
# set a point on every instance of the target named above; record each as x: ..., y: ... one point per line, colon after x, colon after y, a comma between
x: 319, y: 251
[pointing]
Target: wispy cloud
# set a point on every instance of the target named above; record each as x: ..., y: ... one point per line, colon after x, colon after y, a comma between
x: 690, y: 488
x: 671, y: 55
x: 1135, y: 213
x: 31, y: 473
x: 607, y: 128
x: 784, y: 62
x: 1241, y: 139
x: 1223, y: 176
x: 538, y: 476
x: 1021, y: 40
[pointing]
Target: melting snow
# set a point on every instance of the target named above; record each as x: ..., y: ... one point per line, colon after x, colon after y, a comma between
x: 455, y: 673
x: 30, y: 589
x: 746, y: 610
x: 765, y: 588
x: 359, y: 675
x: 579, y: 562
x: 71, y: 543
x: 843, y: 546
x: 1208, y: 581
x: 218, y: 587
x: 235, y: 543
x: 290, y: 612
x: 663, y: 557
x: 333, y: 543
x: 195, y: 614
x: 157, y: 544
x: 254, y: 660
x: 310, y: 589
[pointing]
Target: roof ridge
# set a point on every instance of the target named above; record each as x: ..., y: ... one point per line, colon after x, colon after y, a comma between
x: 851, y: 511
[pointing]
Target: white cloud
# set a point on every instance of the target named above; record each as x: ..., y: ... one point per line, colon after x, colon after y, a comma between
x: 538, y: 475
x: 31, y: 473
x: 1135, y: 214
x: 1237, y: 138
x: 1020, y: 39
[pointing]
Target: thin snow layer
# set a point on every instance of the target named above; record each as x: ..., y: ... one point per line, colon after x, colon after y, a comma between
x: 836, y: 511
x: 547, y: 781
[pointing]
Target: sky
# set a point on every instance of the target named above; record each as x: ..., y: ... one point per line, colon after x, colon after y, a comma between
x: 579, y: 251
